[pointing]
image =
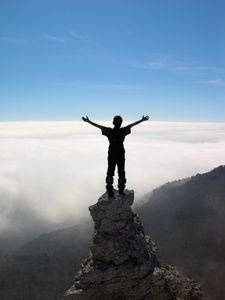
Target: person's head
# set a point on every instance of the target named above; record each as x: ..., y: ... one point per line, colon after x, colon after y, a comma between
x: 117, y: 121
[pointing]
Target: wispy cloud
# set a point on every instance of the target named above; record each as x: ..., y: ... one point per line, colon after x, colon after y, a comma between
x: 110, y: 86
x: 214, y: 82
x: 128, y: 32
x: 156, y: 65
x: 53, y: 38
x: 14, y: 40
x: 114, y: 86
x: 79, y: 36
x: 182, y: 65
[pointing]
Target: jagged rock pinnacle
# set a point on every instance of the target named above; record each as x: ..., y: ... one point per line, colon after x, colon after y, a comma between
x: 123, y: 264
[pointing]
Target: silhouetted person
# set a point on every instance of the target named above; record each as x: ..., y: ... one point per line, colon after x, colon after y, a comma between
x: 116, y: 152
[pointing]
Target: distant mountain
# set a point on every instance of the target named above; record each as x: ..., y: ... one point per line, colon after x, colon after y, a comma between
x: 59, y: 242
x: 43, y: 268
x: 186, y: 219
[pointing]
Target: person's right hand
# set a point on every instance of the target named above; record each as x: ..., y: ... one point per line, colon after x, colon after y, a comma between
x: 85, y: 119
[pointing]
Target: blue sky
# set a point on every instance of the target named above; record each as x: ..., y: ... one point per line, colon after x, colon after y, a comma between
x: 61, y: 59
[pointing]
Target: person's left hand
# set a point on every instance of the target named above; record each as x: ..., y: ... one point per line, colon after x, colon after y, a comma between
x: 145, y: 118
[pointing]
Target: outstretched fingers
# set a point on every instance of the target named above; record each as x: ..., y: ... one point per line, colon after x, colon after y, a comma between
x: 145, y: 118
x: 85, y: 119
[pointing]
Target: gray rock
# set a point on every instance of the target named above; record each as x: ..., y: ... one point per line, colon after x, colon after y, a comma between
x: 123, y: 263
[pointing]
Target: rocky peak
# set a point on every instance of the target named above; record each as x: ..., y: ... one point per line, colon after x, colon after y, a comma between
x: 119, y: 235
x: 123, y: 263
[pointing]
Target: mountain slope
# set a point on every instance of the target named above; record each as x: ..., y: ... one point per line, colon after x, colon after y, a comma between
x: 43, y: 268
x: 187, y: 220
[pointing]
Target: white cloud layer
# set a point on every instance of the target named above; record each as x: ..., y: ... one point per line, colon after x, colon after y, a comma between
x: 52, y: 171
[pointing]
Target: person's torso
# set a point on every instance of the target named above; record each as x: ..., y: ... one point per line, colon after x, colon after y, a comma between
x: 116, y: 138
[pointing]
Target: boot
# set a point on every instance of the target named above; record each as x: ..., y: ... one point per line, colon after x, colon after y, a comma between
x: 109, y: 186
x: 121, y: 185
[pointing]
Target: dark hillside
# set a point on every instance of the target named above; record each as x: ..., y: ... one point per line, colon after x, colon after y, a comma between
x: 43, y: 268
x: 187, y: 220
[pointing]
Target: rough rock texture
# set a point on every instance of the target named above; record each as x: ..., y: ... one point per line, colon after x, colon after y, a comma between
x: 123, y: 264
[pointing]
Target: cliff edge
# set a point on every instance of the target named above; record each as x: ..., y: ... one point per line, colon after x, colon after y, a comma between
x: 123, y: 263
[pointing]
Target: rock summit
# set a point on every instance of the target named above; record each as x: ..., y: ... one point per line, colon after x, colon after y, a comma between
x: 123, y: 263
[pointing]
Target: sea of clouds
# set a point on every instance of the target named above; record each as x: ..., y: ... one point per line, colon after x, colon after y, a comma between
x: 50, y: 172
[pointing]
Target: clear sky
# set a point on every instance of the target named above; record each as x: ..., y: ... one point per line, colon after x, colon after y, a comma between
x: 61, y: 59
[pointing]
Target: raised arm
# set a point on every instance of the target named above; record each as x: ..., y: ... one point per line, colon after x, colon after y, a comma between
x: 92, y: 123
x: 144, y: 118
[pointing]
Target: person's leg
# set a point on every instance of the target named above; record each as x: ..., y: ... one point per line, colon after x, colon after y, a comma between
x: 110, y: 174
x: 121, y: 173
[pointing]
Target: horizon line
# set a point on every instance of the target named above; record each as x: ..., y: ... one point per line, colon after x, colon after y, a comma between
x: 107, y: 120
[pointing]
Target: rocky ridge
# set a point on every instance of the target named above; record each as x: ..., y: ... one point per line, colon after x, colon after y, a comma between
x: 123, y: 263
